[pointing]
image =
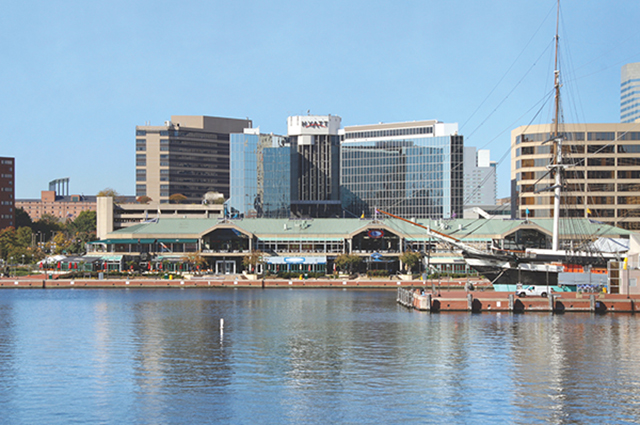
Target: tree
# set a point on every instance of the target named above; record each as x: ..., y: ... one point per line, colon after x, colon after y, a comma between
x: 347, y: 262
x: 109, y: 192
x: 177, y: 198
x: 47, y: 224
x: 195, y: 259
x: 410, y: 259
x: 22, y: 218
x: 62, y: 243
x: 84, y: 223
x: 144, y: 199
x: 213, y: 197
x: 251, y: 260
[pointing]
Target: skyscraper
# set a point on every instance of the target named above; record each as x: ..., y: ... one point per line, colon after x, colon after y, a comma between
x: 479, y: 177
x: 630, y: 93
x: 7, y: 192
x: 412, y: 169
x: 315, y: 165
x: 260, y: 175
x: 189, y: 155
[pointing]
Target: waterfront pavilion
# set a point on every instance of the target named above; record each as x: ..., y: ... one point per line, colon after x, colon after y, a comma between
x: 312, y: 245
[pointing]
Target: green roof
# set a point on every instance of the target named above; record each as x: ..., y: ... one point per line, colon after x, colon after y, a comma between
x: 188, y: 230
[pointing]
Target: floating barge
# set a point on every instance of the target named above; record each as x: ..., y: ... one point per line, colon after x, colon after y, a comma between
x: 478, y: 302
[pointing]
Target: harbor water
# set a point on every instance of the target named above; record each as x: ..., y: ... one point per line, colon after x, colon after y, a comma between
x: 296, y: 356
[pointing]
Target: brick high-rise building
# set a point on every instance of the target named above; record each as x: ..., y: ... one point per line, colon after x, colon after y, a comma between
x: 7, y: 192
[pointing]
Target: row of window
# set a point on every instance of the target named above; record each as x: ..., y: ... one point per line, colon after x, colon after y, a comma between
x: 389, y: 133
x: 580, y: 136
x: 579, y: 200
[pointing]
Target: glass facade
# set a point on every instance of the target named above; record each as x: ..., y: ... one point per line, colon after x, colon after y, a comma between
x: 260, y: 177
x: 630, y: 93
x: 277, y: 182
x: 416, y: 177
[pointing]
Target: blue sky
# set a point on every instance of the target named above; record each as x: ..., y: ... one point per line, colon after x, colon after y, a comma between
x: 77, y: 76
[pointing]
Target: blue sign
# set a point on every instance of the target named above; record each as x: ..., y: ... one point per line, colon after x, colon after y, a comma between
x: 375, y: 234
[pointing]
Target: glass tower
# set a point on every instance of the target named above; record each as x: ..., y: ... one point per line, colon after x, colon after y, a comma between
x: 630, y: 93
x: 409, y: 170
x: 260, y: 175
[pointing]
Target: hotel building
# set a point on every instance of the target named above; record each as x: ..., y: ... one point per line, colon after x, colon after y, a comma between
x: 189, y: 155
x: 315, y: 165
x: 7, y: 192
x: 602, y: 183
x: 410, y: 169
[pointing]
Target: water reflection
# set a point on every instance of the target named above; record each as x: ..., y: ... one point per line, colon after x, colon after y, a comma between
x: 304, y: 356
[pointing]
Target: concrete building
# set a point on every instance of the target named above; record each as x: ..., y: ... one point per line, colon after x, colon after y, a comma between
x: 112, y: 215
x: 315, y: 165
x: 260, y: 168
x: 630, y: 93
x: 603, y: 182
x: 480, y: 186
x: 411, y: 169
x: 189, y: 155
x: 7, y: 192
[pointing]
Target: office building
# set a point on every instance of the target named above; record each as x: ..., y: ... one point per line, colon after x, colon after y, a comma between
x: 602, y: 183
x: 315, y: 165
x: 260, y: 168
x: 189, y: 155
x: 479, y: 177
x: 7, y: 192
x: 630, y: 93
x: 410, y: 169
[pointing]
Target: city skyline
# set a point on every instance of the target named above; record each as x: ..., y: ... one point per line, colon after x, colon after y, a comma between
x: 80, y: 77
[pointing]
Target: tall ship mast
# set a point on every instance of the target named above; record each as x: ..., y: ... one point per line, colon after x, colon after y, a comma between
x: 560, y: 269
x: 557, y: 165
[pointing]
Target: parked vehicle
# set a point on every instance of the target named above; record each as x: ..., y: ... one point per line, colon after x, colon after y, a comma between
x: 534, y: 291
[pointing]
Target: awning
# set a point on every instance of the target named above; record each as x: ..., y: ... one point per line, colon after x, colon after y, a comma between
x: 321, y: 259
x: 300, y: 239
x: 141, y: 241
x: 111, y: 257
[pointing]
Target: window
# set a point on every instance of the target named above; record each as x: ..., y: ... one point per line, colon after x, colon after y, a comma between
x: 600, y: 149
x: 602, y: 135
x: 622, y: 162
x: 629, y: 174
x: 628, y: 200
x: 601, y: 187
x: 601, y: 162
x: 141, y: 132
x: 141, y: 175
x: 141, y: 159
x: 141, y: 190
x: 600, y: 174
